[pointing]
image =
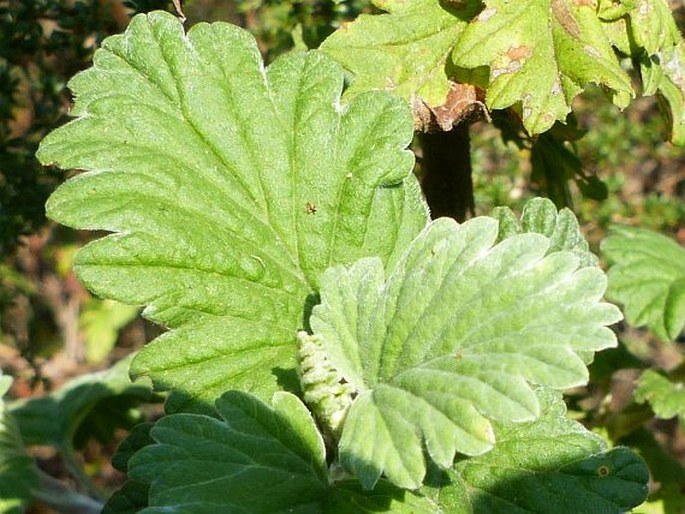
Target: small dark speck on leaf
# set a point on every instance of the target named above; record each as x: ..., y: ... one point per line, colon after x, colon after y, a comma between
x: 603, y: 471
x: 310, y: 208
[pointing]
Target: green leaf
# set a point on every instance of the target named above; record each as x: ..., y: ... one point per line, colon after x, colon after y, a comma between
x: 229, y: 189
x: 17, y: 470
x: 667, y: 398
x: 100, y: 323
x: 667, y: 473
x: 269, y: 459
x: 647, y: 31
x: 138, y: 438
x: 665, y: 75
x: 653, y: 27
x: 541, y: 54
x: 132, y: 496
x: 613, y: 10
x: 452, y: 340
x: 540, y: 216
x: 551, y: 465
x: 92, y: 405
x: 130, y: 499
x: 258, y: 459
x: 647, y: 276
x: 405, y: 51
x: 349, y: 497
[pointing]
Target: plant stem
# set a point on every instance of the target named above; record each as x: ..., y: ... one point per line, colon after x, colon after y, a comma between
x: 76, y: 470
x: 58, y: 496
x: 446, y: 173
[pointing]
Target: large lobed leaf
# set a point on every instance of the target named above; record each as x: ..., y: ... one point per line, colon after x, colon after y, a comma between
x: 258, y: 459
x: 647, y: 275
x: 550, y: 465
x: 453, y: 339
x: 229, y: 189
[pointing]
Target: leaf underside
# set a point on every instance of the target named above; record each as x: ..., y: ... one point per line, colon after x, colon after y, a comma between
x: 647, y: 276
x: 453, y: 339
x: 229, y: 189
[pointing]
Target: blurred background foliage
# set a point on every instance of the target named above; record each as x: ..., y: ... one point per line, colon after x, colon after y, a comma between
x: 51, y: 329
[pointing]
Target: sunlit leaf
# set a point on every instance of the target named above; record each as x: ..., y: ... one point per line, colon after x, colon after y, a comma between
x: 647, y: 276
x: 540, y: 216
x: 665, y: 396
x: 405, y: 51
x: 541, y: 54
x: 453, y: 339
x: 229, y: 189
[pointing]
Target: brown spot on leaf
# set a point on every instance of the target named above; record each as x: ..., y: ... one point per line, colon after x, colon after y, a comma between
x: 519, y: 53
x: 310, y: 208
x: 463, y: 103
x: 565, y: 18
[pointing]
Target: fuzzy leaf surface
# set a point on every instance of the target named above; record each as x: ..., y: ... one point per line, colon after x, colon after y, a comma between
x: 452, y: 340
x: 552, y: 464
x: 647, y: 276
x: 257, y: 459
x: 540, y: 216
x: 406, y: 51
x: 228, y: 189
x: 542, y: 54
